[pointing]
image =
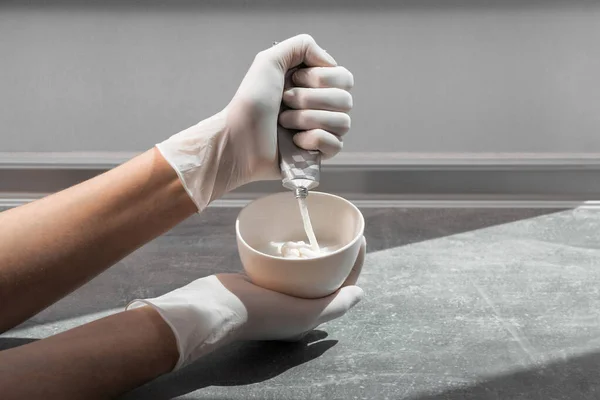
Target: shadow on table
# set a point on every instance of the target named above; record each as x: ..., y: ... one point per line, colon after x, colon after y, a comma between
x: 573, y: 378
x: 249, y: 363
x: 240, y: 364
x: 9, y: 342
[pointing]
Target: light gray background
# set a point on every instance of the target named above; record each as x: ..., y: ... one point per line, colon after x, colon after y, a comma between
x: 431, y: 76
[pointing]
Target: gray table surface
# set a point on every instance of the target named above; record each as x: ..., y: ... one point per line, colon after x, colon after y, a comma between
x: 461, y: 304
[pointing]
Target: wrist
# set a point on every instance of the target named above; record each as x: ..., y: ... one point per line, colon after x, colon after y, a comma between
x: 171, y: 184
x: 202, y: 316
x: 200, y: 156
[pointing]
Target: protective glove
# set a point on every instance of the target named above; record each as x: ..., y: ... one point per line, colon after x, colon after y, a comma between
x: 239, y: 144
x: 219, y: 309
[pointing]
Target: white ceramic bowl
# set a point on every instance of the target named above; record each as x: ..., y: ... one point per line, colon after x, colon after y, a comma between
x: 277, y: 218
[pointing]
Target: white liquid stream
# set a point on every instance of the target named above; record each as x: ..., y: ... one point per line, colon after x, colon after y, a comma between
x: 314, y: 245
x: 300, y: 249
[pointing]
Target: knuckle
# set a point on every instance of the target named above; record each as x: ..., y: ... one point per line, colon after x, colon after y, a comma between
x: 346, y: 121
x: 298, y: 99
x: 289, y: 96
x: 314, y: 139
x: 333, y: 142
x: 345, y: 76
x: 302, y: 100
x: 320, y: 136
x: 261, y: 55
x: 349, y: 77
x: 306, y: 38
x: 299, y: 76
x: 348, y: 101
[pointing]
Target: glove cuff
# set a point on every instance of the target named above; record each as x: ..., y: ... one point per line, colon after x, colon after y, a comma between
x: 197, y: 155
x: 203, y: 317
x: 141, y: 303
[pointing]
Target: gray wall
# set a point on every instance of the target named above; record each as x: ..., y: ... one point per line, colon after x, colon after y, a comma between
x: 500, y: 76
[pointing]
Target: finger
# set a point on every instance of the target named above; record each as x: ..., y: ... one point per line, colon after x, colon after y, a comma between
x: 328, y: 77
x: 357, y: 269
x: 305, y: 120
x: 318, y: 139
x: 343, y: 300
x: 329, y: 99
x: 300, y: 49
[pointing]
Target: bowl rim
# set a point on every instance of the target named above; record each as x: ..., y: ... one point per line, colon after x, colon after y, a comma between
x: 301, y: 260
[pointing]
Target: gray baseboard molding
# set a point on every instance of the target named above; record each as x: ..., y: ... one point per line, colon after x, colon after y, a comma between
x: 369, y: 179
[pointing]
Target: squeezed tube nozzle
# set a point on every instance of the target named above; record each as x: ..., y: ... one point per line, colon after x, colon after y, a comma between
x: 301, y: 193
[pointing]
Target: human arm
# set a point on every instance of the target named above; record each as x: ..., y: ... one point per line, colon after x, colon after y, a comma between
x: 99, y: 360
x: 115, y: 354
x: 51, y: 246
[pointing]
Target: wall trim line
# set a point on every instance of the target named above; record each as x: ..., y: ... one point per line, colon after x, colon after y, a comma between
x: 345, y: 160
x: 370, y: 178
x: 8, y: 201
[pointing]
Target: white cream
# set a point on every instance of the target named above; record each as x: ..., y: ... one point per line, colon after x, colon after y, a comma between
x: 297, y: 250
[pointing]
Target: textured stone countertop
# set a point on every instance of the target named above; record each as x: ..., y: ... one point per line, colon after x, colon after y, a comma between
x: 461, y: 304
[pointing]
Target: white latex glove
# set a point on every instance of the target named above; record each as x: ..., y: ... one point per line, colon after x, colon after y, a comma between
x: 239, y: 145
x: 219, y: 309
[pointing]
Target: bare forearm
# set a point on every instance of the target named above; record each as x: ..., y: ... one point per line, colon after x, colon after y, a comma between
x: 52, y: 246
x: 98, y: 360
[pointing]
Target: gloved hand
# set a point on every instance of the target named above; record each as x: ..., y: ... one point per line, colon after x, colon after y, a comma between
x: 219, y: 309
x: 239, y: 144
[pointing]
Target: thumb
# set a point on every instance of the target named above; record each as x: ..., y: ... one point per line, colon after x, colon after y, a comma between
x: 346, y: 298
x: 301, y: 49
